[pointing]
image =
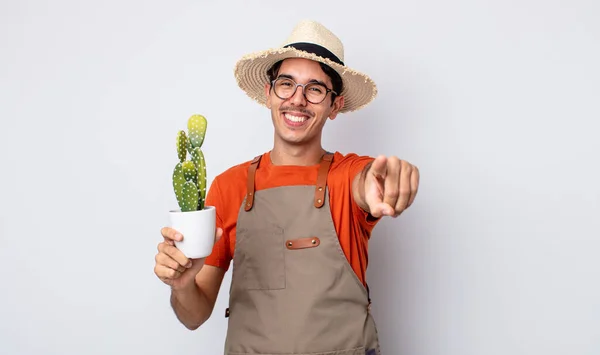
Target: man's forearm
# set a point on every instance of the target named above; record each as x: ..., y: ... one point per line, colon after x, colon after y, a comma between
x: 191, y: 306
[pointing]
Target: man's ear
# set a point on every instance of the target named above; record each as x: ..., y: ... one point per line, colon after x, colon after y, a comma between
x: 267, y: 96
x: 338, y: 103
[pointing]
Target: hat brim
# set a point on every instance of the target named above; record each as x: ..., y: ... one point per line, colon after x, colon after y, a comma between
x: 251, y: 76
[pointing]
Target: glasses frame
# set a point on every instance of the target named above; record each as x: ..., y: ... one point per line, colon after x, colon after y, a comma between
x: 303, y: 86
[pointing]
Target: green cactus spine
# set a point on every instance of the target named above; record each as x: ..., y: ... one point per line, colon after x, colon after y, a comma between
x: 189, y: 176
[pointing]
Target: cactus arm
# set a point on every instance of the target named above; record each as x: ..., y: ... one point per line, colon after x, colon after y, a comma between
x: 189, y: 171
x: 178, y: 181
x: 200, y: 163
x: 182, y: 143
x: 197, y: 130
x: 190, y: 197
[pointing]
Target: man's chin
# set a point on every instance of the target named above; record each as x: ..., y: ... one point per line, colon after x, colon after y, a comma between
x: 294, y: 139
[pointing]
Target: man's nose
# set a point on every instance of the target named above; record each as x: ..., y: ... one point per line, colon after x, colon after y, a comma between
x: 298, y: 98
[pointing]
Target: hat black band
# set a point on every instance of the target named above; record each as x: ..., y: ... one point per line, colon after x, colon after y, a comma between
x: 315, y: 49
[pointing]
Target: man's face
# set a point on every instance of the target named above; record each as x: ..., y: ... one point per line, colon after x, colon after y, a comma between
x: 297, y: 121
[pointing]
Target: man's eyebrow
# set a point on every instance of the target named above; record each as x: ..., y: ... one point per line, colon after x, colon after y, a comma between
x: 318, y: 82
x: 310, y: 81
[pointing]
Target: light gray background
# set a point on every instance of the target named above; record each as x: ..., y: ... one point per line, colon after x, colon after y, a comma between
x: 497, y: 103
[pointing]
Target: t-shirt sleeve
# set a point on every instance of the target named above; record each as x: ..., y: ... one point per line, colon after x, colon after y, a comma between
x: 366, y: 220
x: 221, y: 253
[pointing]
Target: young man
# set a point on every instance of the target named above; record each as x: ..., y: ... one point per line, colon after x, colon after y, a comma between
x: 296, y: 220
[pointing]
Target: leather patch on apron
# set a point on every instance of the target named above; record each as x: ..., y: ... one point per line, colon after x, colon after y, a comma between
x: 302, y: 243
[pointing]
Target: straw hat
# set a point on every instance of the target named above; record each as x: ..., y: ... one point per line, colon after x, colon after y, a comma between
x: 311, y: 40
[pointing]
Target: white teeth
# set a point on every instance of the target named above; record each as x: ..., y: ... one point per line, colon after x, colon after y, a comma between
x: 295, y: 118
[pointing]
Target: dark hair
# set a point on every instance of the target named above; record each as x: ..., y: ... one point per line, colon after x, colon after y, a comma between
x: 336, y: 79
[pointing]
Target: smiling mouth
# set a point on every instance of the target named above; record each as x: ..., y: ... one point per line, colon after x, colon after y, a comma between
x: 295, y: 118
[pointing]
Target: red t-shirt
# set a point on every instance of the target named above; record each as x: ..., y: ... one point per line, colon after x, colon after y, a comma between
x: 353, y: 224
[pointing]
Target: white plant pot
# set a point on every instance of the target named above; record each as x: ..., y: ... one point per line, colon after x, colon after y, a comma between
x: 198, y: 230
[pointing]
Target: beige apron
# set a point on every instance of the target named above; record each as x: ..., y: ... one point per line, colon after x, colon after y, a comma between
x: 293, y: 290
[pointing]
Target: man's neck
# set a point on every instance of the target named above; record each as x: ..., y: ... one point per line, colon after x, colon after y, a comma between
x: 297, y: 155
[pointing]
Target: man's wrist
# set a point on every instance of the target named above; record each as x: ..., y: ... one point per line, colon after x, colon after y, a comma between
x: 185, y: 289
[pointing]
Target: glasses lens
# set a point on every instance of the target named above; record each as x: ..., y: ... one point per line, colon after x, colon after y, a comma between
x: 315, y: 93
x: 284, y: 87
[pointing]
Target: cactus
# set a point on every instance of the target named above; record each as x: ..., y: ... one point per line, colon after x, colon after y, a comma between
x: 189, y: 176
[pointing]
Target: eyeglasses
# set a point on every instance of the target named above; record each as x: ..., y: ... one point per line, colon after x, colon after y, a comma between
x: 314, y: 93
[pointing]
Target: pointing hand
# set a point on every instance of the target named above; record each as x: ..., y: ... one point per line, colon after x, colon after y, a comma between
x: 391, y: 186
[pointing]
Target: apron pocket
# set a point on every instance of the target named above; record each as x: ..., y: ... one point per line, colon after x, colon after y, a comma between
x: 259, y: 257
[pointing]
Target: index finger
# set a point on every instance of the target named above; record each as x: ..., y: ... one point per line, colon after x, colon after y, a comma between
x: 170, y: 233
x: 391, y: 189
x: 175, y: 254
x: 379, y: 167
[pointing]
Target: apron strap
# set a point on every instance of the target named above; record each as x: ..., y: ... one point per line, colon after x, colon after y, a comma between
x: 250, y: 188
x: 319, y: 188
x: 322, y: 180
